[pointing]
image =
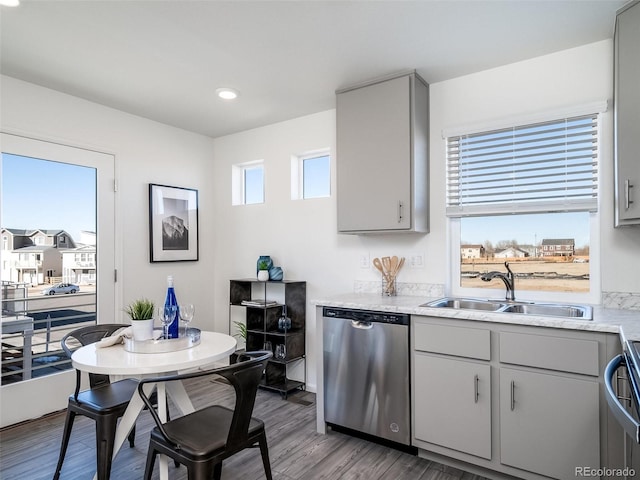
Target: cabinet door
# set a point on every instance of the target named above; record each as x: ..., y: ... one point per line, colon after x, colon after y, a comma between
x: 548, y: 424
x: 627, y: 111
x: 452, y: 404
x: 374, y: 157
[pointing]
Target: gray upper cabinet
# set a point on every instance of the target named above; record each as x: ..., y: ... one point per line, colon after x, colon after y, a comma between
x: 627, y: 116
x: 382, y: 156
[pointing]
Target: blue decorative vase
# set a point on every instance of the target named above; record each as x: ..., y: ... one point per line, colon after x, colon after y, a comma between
x: 284, y: 322
x: 264, y: 258
x: 276, y: 274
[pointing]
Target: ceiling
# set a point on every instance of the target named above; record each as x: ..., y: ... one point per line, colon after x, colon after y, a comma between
x: 163, y: 60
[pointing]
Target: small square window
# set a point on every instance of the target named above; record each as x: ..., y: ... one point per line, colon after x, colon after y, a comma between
x: 311, y: 175
x: 248, y: 183
x: 254, y: 185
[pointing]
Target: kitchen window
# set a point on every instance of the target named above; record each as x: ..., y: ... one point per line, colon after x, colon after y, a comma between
x: 247, y: 183
x: 311, y: 175
x: 513, y: 191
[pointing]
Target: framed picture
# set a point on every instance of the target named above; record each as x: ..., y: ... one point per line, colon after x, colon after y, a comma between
x: 173, y: 223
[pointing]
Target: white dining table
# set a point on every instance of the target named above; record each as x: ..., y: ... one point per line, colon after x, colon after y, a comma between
x: 118, y: 363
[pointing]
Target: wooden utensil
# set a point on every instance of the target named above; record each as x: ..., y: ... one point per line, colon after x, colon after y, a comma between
x: 396, y: 265
x: 393, y: 265
x: 386, y: 263
x: 378, y: 264
x: 401, y: 264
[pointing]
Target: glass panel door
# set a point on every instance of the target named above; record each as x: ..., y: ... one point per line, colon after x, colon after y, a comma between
x: 57, y: 264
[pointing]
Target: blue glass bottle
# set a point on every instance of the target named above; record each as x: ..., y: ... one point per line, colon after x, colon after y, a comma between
x: 171, y: 300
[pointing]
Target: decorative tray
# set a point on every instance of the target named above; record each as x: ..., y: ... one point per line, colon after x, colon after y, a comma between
x: 161, y: 345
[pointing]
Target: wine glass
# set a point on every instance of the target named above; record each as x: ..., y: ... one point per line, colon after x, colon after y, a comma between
x: 281, y: 351
x: 186, y: 314
x: 167, y: 313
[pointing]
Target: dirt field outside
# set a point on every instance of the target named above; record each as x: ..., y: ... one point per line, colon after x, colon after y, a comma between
x: 559, y: 274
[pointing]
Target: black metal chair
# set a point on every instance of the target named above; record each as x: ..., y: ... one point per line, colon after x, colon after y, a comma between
x: 104, y: 402
x: 203, y: 439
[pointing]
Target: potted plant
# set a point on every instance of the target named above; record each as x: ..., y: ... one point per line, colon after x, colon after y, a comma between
x: 241, y: 333
x: 263, y: 270
x: 141, y: 313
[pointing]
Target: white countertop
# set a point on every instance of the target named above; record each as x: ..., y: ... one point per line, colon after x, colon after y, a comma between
x: 624, y: 322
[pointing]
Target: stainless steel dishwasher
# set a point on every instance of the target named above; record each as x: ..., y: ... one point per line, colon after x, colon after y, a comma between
x: 366, y: 372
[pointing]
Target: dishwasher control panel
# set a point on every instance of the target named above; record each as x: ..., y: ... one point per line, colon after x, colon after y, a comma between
x: 366, y: 315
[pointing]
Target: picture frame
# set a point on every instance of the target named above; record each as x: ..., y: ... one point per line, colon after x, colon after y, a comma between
x: 173, y: 224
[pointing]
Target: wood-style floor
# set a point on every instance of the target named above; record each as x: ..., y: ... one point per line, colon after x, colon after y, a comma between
x: 29, y: 451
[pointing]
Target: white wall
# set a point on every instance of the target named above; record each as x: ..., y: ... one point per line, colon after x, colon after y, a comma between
x: 553, y: 82
x: 146, y: 152
x: 301, y: 235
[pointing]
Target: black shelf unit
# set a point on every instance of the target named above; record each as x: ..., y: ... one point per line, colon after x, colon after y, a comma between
x: 262, y: 326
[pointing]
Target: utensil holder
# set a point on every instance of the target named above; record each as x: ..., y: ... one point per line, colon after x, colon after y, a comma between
x: 388, y: 286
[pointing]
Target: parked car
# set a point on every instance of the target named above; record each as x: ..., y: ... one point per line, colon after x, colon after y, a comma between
x: 61, y: 288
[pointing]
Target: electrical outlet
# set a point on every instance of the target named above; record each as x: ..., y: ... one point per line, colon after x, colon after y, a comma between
x: 416, y: 260
x: 364, y: 260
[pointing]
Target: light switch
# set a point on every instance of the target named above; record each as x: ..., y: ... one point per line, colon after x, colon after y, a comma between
x: 416, y: 260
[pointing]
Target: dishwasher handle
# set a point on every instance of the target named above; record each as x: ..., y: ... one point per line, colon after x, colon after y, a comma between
x: 361, y: 324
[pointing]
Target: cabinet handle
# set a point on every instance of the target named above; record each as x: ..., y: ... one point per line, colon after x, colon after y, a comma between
x: 627, y: 194
x: 513, y: 396
x: 476, y: 393
x: 399, y: 211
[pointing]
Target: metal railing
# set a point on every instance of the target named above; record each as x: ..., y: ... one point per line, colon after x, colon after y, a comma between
x: 32, y: 328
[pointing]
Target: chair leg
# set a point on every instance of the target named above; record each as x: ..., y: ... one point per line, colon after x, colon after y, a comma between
x: 203, y: 470
x: 132, y: 437
x: 105, y: 438
x: 217, y: 471
x: 66, y: 434
x: 264, y: 451
x: 151, y: 460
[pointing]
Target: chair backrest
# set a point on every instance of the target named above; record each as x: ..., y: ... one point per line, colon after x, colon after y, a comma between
x: 85, y: 336
x: 244, y: 376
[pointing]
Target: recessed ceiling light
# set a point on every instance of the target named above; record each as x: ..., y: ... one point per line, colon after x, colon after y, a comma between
x: 227, y: 93
x: 9, y: 3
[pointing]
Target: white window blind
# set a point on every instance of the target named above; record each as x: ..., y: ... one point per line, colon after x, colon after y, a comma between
x: 543, y: 167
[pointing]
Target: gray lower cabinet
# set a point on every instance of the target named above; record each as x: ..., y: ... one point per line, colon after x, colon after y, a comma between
x: 627, y: 115
x: 527, y: 402
x: 548, y: 423
x: 454, y: 404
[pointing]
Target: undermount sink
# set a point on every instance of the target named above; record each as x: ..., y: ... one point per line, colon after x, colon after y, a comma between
x: 574, y: 312
x: 466, y: 304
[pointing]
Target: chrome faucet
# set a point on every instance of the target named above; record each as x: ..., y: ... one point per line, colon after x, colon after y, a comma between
x: 508, y: 279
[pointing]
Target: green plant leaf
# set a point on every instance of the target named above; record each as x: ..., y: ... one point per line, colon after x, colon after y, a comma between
x: 242, y: 330
x: 141, y: 309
